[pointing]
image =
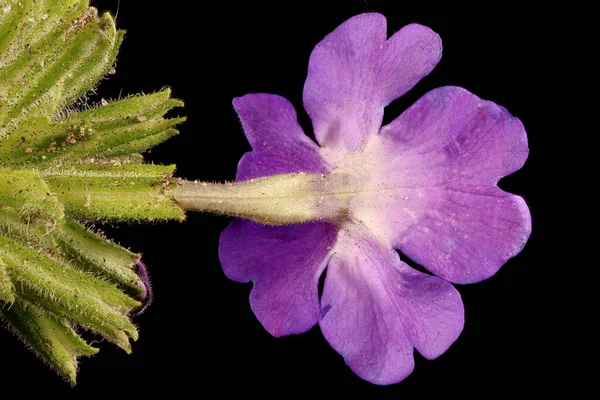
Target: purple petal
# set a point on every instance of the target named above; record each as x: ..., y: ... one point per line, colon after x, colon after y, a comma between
x: 354, y: 73
x: 146, y: 297
x: 285, y: 264
x: 464, y: 234
x: 375, y: 309
x: 445, y: 155
x: 451, y: 135
x: 280, y: 146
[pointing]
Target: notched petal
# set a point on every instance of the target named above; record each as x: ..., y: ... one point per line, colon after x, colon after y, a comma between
x: 432, y: 188
x: 354, y: 73
x: 375, y: 309
x: 284, y: 263
x: 280, y: 146
x: 467, y: 233
x: 452, y: 135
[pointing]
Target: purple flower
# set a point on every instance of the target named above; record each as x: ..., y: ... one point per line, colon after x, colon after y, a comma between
x: 146, y: 296
x: 425, y: 184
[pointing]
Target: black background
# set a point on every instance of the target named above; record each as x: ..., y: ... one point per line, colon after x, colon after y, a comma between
x: 200, y: 334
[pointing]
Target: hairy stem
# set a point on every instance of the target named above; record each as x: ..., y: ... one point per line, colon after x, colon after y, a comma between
x: 274, y: 200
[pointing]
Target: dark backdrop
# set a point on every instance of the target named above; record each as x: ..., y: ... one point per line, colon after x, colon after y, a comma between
x: 200, y: 333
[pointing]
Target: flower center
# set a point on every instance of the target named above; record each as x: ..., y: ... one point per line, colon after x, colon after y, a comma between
x: 365, y: 188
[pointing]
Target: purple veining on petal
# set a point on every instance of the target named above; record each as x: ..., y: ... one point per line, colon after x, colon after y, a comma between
x: 453, y: 135
x: 465, y: 234
x: 278, y: 142
x: 285, y: 264
x: 354, y: 73
x: 378, y: 309
x: 146, y: 297
x: 439, y: 163
x: 425, y: 184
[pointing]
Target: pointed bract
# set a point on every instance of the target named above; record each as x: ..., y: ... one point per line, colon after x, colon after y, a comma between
x: 62, y: 162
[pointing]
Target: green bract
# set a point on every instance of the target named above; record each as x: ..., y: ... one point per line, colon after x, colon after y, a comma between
x: 61, y: 167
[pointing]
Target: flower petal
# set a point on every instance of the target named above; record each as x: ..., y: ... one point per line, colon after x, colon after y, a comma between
x: 354, y: 73
x: 280, y: 146
x: 452, y: 135
x: 465, y: 234
x: 146, y: 297
x: 375, y: 309
x: 439, y: 163
x: 285, y: 263
x: 466, y: 227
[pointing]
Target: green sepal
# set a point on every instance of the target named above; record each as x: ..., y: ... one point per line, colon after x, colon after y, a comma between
x: 25, y: 23
x: 98, y: 256
x: 51, y: 73
x: 116, y: 192
x: 86, y: 300
x: 25, y: 193
x: 7, y: 293
x: 117, y: 129
x: 56, y: 276
x: 52, y: 338
x: 33, y: 217
x: 29, y: 212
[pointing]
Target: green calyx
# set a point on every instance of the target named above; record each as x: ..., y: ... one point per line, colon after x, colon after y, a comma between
x: 62, y: 168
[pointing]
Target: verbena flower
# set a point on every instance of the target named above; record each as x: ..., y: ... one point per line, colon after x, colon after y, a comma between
x: 425, y: 184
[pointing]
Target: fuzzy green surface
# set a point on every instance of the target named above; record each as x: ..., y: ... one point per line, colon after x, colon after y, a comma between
x: 63, y: 165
